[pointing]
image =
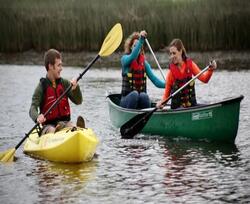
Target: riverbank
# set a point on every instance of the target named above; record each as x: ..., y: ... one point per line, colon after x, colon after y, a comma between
x: 228, y: 60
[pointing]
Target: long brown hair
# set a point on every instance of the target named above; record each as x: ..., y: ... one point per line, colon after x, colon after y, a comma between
x: 129, y: 42
x: 179, y: 46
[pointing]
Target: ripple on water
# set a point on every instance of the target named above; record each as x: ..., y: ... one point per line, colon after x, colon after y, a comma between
x: 143, y: 170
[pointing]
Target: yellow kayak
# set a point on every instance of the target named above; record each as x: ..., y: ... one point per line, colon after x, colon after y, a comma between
x: 69, y: 145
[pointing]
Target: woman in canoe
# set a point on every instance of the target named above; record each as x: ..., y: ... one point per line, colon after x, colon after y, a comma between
x: 47, y: 92
x: 181, y: 70
x: 135, y: 70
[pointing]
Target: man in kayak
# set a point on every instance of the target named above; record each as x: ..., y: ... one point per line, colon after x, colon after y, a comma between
x: 181, y: 70
x: 135, y: 70
x: 47, y: 92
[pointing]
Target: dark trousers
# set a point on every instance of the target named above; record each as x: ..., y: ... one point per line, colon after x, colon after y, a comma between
x: 135, y: 100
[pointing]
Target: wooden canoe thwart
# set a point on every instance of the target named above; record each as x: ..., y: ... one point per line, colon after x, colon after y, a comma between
x: 214, y: 122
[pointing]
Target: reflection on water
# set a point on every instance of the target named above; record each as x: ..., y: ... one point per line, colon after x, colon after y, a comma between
x: 193, y: 149
x: 143, y: 170
x: 177, y: 170
x: 61, y: 182
x: 196, y: 168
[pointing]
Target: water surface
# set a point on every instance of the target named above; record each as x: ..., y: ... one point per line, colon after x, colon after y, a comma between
x: 149, y: 170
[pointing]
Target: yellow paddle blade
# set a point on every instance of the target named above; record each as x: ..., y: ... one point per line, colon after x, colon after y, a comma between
x: 112, y: 41
x: 2, y: 154
x: 8, y: 156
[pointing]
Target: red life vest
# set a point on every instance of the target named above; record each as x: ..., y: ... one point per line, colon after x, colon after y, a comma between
x: 62, y: 110
x: 186, y: 97
x: 135, y: 79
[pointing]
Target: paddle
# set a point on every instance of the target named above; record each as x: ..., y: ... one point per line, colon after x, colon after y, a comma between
x: 146, y: 40
x: 136, y: 124
x: 110, y: 44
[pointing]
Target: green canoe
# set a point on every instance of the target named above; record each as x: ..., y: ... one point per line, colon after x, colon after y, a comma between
x: 214, y: 122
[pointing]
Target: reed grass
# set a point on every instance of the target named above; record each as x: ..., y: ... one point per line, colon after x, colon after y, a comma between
x: 77, y: 25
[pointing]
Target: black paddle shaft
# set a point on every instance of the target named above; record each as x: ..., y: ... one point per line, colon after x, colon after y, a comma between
x: 59, y: 99
x: 69, y: 87
x: 137, y: 123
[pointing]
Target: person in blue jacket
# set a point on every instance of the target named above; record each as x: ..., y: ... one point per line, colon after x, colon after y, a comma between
x: 135, y: 70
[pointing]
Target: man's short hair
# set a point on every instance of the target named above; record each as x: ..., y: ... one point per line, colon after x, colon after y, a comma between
x: 50, y: 57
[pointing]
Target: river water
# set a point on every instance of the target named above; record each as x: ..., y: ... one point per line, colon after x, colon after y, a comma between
x: 150, y: 170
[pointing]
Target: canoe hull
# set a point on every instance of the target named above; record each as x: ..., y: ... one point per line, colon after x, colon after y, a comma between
x: 215, y: 122
x: 64, y: 146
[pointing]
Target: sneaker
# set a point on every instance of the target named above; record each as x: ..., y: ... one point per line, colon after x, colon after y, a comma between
x: 80, y: 122
x: 60, y: 125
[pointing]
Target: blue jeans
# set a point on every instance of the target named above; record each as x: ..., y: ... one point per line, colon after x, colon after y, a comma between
x: 135, y: 100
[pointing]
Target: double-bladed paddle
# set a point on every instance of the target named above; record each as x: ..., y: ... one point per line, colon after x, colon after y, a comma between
x: 136, y: 124
x: 110, y: 44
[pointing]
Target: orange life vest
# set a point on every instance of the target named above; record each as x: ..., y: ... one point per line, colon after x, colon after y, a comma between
x: 186, y: 97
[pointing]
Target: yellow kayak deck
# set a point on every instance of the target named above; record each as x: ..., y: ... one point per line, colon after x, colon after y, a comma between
x: 69, y: 145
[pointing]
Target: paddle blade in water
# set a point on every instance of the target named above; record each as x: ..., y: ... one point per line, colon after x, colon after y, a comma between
x: 2, y: 154
x: 110, y: 44
x: 135, y: 125
x: 8, y: 156
x: 112, y: 41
